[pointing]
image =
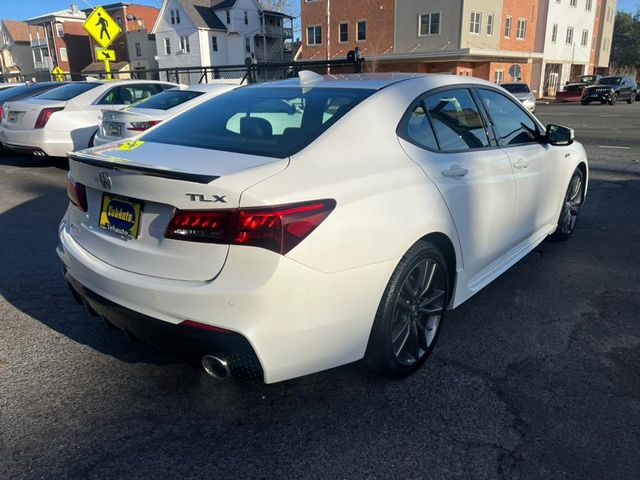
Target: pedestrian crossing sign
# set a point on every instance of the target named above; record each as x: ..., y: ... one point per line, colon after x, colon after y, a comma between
x: 102, y: 27
x: 58, y: 73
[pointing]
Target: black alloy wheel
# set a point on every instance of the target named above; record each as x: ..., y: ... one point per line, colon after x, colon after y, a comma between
x: 410, y: 314
x: 571, y: 206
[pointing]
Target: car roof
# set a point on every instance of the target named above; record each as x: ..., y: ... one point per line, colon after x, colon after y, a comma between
x: 369, y: 81
x: 201, y: 87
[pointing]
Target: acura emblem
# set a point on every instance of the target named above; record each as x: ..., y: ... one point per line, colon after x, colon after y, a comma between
x: 105, y: 180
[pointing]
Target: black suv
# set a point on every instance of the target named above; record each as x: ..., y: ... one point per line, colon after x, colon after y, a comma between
x: 610, y: 90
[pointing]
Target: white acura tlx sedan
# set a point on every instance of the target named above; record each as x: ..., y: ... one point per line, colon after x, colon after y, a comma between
x: 286, y: 228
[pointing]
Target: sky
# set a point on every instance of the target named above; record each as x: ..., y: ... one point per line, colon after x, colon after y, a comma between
x: 22, y: 9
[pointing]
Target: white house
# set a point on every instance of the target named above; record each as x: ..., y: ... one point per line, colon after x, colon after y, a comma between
x: 194, y: 33
x: 567, y: 43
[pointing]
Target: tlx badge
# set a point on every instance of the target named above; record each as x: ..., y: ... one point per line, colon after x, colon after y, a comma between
x: 199, y: 197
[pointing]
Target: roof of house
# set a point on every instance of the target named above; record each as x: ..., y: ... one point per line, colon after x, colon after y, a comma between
x: 201, y: 12
x: 19, y: 31
x: 222, y: 4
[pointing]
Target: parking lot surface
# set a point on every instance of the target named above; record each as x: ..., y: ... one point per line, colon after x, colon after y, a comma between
x: 536, y: 377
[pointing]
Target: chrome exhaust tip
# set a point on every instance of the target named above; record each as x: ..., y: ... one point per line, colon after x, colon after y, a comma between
x: 216, y: 367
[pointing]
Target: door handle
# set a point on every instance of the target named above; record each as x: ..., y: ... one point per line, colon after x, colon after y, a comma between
x: 521, y: 163
x: 455, y: 171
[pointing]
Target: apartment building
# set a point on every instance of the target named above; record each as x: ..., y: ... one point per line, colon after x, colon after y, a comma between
x: 603, y: 35
x: 15, y: 50
x: 63, y: 41
x: 135, y: 45
x: 219, y: 32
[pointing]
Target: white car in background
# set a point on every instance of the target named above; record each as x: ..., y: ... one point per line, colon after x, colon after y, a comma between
x: 123, y: 124
x: 66, y: 118
x: 522, y: 92
x: 289, y: 227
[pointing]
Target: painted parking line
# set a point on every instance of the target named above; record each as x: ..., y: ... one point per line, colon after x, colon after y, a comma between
x: 620, y: 147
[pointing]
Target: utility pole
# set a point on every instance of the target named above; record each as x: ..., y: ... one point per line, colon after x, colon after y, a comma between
x: 328, y: 29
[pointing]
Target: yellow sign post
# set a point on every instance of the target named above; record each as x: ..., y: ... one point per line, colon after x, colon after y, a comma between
x: 58, y: 73
x: 104, y: 30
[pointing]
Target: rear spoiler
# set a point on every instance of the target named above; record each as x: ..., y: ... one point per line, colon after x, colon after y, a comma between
x: 127, y: 166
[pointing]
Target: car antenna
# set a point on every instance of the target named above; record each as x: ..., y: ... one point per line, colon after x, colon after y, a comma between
x: 308, y: 78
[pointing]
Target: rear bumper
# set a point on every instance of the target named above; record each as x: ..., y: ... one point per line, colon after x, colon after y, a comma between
x: 33, y: 141
x: 100, y: 140
x: 296, y: 319
x: 175, y: 340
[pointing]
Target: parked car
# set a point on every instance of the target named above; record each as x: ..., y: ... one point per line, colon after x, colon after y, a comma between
x: 610, y: 90
x: 289, y: 227
x: 66, y: 118
x: 6, y: 86
x: 573, y: 90
x: 522, y: 92
x: 22, y: 92
x: 118, y: 125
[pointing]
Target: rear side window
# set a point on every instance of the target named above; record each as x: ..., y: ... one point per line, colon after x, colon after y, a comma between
x: 510, y: 123
x: 167, y: 99
x: 456, y: 120
x: 417, y: 128
x: 267, y: 121
x: 24, y: 91
x: 128, y: 94
x: 68, y: 91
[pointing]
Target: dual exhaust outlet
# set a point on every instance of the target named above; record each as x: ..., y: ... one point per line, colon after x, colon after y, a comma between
x: 216, y: 367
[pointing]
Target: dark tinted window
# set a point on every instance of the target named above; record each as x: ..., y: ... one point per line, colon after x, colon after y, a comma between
x: 418, y: 129
x: 25, y: 91
x: 167, y: 99
x: 68, y: 92
x: 516, y: 87
x: 511, y: 124
x: 610, y: 81
x: 456, y: 120
x: 274, y: 122
x: 128, y: 94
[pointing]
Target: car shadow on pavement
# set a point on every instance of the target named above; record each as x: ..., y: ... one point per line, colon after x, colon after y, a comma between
x: 11, y: 159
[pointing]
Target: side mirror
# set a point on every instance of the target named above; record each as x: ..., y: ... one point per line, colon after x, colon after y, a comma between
x: 559, y: 135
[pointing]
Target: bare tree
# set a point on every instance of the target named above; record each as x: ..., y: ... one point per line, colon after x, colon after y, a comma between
x: 283, y: 6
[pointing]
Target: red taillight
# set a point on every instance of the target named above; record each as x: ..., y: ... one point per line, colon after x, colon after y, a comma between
x: 278, y: 229
x: 45, y: 115
x: 1, y: 111
x: 77, y: 193
x: 142, y: 126
x: 203, y: 326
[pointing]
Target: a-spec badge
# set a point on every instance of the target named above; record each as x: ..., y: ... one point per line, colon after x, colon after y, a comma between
x: 105, y: 180
x: 199, y: 197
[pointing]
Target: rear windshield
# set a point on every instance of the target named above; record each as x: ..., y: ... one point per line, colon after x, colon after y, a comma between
x: 610, y: 81
x: 25, y: 91
x: 267, y: 121
x: 166, y: 100
x: 516, y: 87
x: 68, y: 92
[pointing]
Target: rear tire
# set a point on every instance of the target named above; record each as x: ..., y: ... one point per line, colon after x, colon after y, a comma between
x: 410, y: 314
x: 571, y: 206
x: 632, y: 98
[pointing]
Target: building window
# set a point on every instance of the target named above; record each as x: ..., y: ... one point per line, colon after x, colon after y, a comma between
x: 344, y: 32
x: 184, y: 44
x: 573, y: 3
x: 507, y: 27
x: 177, y: 16
x: 63, y: 55
x: 214, y: 43
x: 138, y: 50
x: 119, y: 20
x: 429, y: 24
x: 476, y: 22
x: 585, y: 38
x: 167, y: 46
x: 569, y: 38
x: 228, y: 17
x: 554, y: 33
x: 361, y: 32
x: 314, y: 35
x: 246, y: 18
x: 522, y: 29
x: 587, y: 5
x: 490, y: 18
x: 60, y: 29
x: 173, y: 17
x: 498, y: 76
x: 247, y: 44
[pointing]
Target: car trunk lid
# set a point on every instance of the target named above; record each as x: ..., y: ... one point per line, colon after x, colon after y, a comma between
x: 149, y: 182
x: 22, y: 115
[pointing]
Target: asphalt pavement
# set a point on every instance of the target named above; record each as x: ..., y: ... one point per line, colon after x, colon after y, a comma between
x: 535, y: 377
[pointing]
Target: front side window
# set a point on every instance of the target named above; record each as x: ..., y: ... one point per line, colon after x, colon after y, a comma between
x: 361, y: 31
x: 314, y: 35
x: 429, y: 24
x: 272, y: 122
x: 344, y: 32
x: 522, y: 29
x: 167, y: 99
x: 69, y: 91
x: 128, y: 94
x: 476, y: 22
x: 507, y: 27
x: 510, y: 123
x: 456, y: 121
